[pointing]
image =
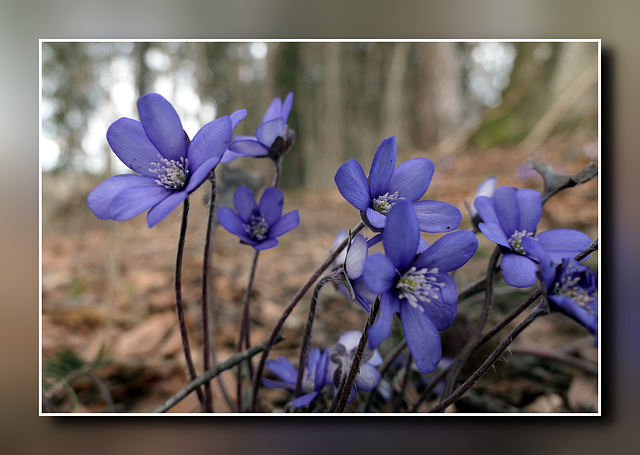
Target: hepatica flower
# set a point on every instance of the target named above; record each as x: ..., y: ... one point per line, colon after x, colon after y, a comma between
x: 417, y: 287
x: 513, y: 214
x: 568, y: 286
x: 313, y: 378
x: 258, y: 224
x: 168, y: 165
x: 388, y: 184
x: 273, y: 137
x: 349, y: 265
x: 340, y: 358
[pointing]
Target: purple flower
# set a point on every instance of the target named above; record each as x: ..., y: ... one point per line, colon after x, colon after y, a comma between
x: 419, y: 288
x: 486, y: 188
x: 341, y: 356
x: 273, y: 137
x: 168, y: 165
x: 513, y: 214
x: 387, y: 185
x: 351, y: 261
x: 258, y: 224
x: 568, y: 286
x: 313, y: 378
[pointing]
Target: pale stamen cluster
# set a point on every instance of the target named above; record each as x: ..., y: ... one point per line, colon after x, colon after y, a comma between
x: 382, y: 204
x: 516, y: 240
x: 171, y: 174
x: 568, y: 287
x: 419, y: 287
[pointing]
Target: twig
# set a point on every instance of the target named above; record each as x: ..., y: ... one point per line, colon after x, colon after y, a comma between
x: 213, y: 372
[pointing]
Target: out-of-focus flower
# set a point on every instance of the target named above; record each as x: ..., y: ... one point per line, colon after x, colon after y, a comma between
x: 351, y: 262
x: 313, y: 379
x: 513, y: 214
x: 386, y: 185
x: 258, y: 224
x: 341, y: 356
x: 273, y: 137
x: 419, y: 288
x: 568, y: 286
x: 168, y: 165
x: 486, y: 188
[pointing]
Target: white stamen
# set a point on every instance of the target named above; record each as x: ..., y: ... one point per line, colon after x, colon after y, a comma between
x: 419, y: 287
x: 383, y: 204
x: 516, y: 240
x: 172, y: 174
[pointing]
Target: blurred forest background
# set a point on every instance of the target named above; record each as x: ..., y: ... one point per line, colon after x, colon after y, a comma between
x: 475, y: 108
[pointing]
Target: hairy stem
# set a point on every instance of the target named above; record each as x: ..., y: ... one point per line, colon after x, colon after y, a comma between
x: 179, y: 307
x: 244, y: 328
x: 462, y: 356
x: 306, y: 339
x: 444, y: 404
x: 355, y: 365
x: 205, y: 292
x: 294, y: 301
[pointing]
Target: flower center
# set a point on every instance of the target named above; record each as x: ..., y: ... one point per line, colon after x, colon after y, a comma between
x: 568, y: 287
x: 516, y: 240
x: 257, y: 228
x: 419, y: 287
x: 308, y: 381
x: 173, y: 174
x: 382, y: 204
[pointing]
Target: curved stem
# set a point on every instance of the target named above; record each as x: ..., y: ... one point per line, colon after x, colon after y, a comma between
x: 355, y: 365
x: 403, y: 383
x: 205, y: 292
x: 486, y: 337
x: 440, y: 407
x: 179, y: 307
x: 383, y: 369
x: 306, y: 339
x: 244, y: 328
x: 462, y: 356
x: 294, y: 301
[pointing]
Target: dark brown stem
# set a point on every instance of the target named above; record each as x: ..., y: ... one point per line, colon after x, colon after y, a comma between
x: 440, y: 407
x: 486, y: 337
x: 403, y: 383
x: 456, y: 365
x: 306, y: 339
x: 384, y: 367
x: 355, y: 365
x: 179, y: 307
x: 244, y: 328
x: 205, y: 292
x: 294, y: 301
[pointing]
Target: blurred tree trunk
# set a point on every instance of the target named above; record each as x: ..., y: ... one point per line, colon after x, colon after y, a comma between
x: 324, y: 163
x: 439, y: 94
x: 393, y: 117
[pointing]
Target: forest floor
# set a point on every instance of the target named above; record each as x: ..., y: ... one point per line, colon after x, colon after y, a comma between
x: 109, y: 286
